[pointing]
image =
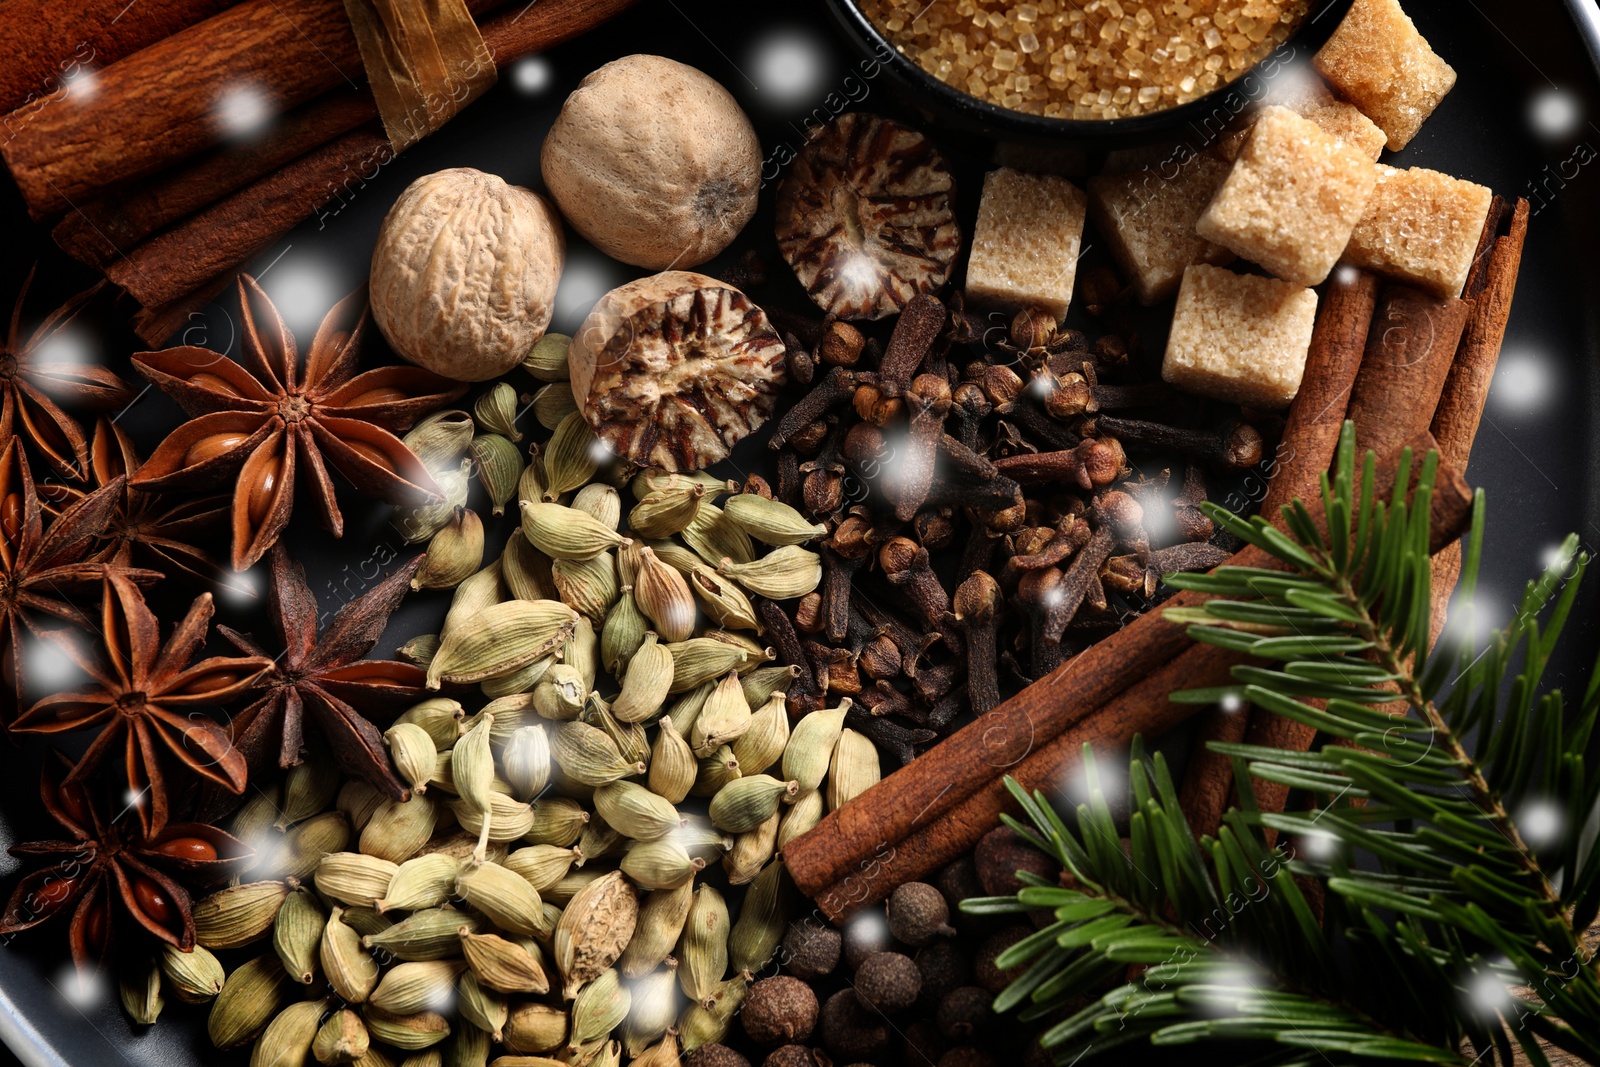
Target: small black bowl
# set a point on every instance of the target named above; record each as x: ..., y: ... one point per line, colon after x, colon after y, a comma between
x: 1085, y: 144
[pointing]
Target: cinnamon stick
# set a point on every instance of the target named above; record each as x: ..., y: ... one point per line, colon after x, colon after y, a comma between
x: 1310, y: 438
x: 1409, y: 351
x: 169, y: 101
x: 851, y: 843
x: 233, y: 231
x: 45, y: 47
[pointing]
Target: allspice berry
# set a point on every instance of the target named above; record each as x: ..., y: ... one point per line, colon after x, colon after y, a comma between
x: 849, y: 1031
x: 1001, y: 854
x: 958, y: 882
x: 918, y: 914
x: 924, y: 1043
x: 965, y: 1011
x: 715, y: 1055
x: 778, y: 1010
x: 811, y: 949
x: 865, y: 934
x: 888, y: 982
x: 966, y: 1056
x: 984, y: 970
x: 797, y: 1056
x: 943, y: 967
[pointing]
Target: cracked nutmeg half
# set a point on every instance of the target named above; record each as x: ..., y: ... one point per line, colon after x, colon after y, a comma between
x: 866, y: 217
x: 672, y: 370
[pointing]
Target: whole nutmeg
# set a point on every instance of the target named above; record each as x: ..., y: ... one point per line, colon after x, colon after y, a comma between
x: 811, y: 949
x: 888, y: 982
x: 918, y: 914
x: 778, y: 1010
x: 464, y: 273
x: 653, y: 162
x: 851, y: 1032
x: 797, y: 1056
x: 965, y: 1011
x: 715, y: 1055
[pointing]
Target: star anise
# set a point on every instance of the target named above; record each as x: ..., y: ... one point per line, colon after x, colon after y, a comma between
x: 163, y: 529
x: 110, y: 862
x: 36, y: 373
x: 41, y: 566
x: 264, y: 418
x: 148, y: 701
x: 323, y: 678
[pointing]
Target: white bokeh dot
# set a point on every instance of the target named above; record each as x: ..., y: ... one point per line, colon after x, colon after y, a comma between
x: 1524, y: 383
x: 243, y: 110
x: 79, y: 989
x: 788, y: 66
x: 532, y: 75
x: 81, y: 85
x: 586, y: 278
x: 1555, y: 114
x: 1540, y: 823
x: 303, y: 290
x: 1488, y: 994
x: 1231, y: 703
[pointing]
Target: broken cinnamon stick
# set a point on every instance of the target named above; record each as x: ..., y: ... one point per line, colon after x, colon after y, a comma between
x: 852, y: 842
x: 1310, y: 438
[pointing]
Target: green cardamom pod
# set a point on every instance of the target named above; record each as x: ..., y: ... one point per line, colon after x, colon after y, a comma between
x: 631, y: 738
x: 368, y: 922
x: 802, y: 816
x: 526, y: 571
x: 553, y: 403
x: 509, y: 818
x: 504, y: 897
x: 661, y: 864
x: 467, y: 1047
x: 723, y: 602
x: 599, y: 1008
x: 663, y: 595
x: 236, y: 916
x: 690, y: 703
x: 587, y: 586
x: 706, y: 1022
x: 570, y: 459
x: 703, y: 949
x: 542, y: 865
x: 525, y: 759
x: 556, y: 821
x: 500, y: 639
x: 406, y: 1032
x: 751, y: 850
x: 398, y: 828
x: 518, y: 682
x: 248, y: 1000
x: 413, y: 751
x: 810, y: 747
x: 759, y: 929
x: 194, y: 976
x: 354, y: 878
x: 472, y: 765
x: 440, y: 439
x: 599, y: 841
x: 654, y: 1008
x: 561, y: 532
x: 587, y: 755
x: 675, y: 556
x: 702, y: 839
x: 342, y: 1039
x: 420, y: 650
x: 601, y: 501
x: 714, y: 538
x: 306, y: 843
x: 771, y: 522
x: 761, y: 683
x: 443, y: 774
x: 297, y: 932
x: 287, y: 1040
x: 535, y: 1028
x: 140, y: 992
x: 259, y: 813
x: 421, y: 882
x: 650, y: 480
x: 664, y: 512
x: 418, y: 523
x: 749, y: 801
x: 499, y: 464
x: 594, y: 929
x: 783, y: 574
x: 724, y: 719
x: 623, y: 632
x: 582, y: 651
x: 715, y: 772
x: 635, y: 811
x: 763, y: 742
x: 663, y: 1053
x: 673, y: 768
x: 421, y: 985
x: 480, y: 1007
x: 547, y: 360
x: 854, y: 770
x: 357, y: 800
x: 308, y: 788
x: 454, y: 553
x: 645, y: 683
x: 702, y: 659
x: 661, y: 920
x: 502, y: 965
x: 424, y: 936
x: 496, y: 411
x: 349, y: 967
x: 562, y: 694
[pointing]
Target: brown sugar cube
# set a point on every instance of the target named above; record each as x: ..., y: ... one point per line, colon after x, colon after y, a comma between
x: 1147, y: 218
x: 1025, y: 246
x: 1292, y: 198
x: 1378, y: 61
x: 1309, y: 97
x: 1239, y: 337
x: 1421, y: 227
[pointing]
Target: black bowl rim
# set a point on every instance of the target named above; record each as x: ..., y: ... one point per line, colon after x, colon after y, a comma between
x: 1001, y: 120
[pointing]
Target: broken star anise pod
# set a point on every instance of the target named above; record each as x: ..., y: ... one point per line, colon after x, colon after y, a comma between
x: 111, y: 865
x: 266, y: 421
x: 41, y: 566
x: 147, y: 701
x: 322, y: 677
x: 165, y: 530
x: 37, y: 372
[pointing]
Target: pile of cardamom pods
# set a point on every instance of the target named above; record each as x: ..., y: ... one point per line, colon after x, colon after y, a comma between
x: 542, y: 891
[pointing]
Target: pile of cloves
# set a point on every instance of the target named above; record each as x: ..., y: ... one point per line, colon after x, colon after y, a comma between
x: 985, y: 520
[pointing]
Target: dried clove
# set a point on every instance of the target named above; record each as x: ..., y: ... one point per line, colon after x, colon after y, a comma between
x: 1235, y: 445
x: 840, y: 344
x: 905, y: 563
x: 977, y: 606
x: 837, y: 386
x: 919, y: 326
x: 888, y: 736
x: 805, y: 694
x: 1093, y: 463
x: 928, y: 400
